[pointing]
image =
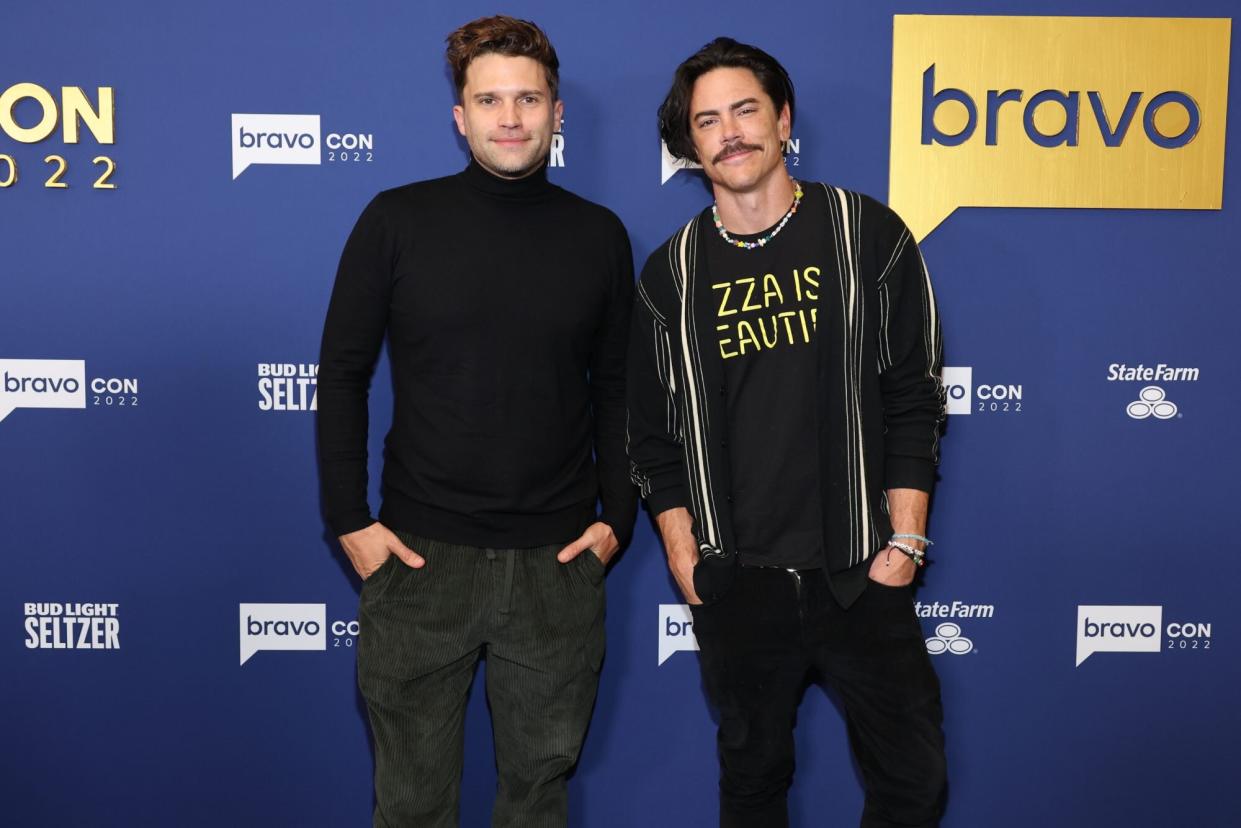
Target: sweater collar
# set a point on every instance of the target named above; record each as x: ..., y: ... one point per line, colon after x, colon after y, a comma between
x: 534, y: 185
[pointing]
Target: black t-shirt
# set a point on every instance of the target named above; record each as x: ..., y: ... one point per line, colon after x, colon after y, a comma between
x: 765, y: 317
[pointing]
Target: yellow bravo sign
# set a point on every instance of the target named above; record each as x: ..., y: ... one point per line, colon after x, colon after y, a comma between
x: 1056, y: 112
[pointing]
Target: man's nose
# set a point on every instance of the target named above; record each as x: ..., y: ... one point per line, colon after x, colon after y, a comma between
x: 510, y: 115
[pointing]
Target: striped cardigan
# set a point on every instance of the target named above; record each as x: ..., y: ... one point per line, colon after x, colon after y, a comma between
x: 881, y: 400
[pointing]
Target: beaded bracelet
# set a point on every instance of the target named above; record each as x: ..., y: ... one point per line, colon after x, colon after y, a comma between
x: 927, y: 541
x: 915, y: 555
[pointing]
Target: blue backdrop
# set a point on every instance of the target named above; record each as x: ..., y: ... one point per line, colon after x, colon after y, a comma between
x: 180, y: 490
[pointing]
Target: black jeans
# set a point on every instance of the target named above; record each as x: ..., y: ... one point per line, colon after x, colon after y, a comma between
x: 758, y: 645
x: 422, y: 633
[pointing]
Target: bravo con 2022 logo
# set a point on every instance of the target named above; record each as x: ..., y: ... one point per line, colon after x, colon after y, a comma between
x: 1135, y: 629
x: 293, y: 627
x: 294, y: 139
x: 30, y: 114
x: 60, y: 383
x: 288, y: 386
x: 987, y: 398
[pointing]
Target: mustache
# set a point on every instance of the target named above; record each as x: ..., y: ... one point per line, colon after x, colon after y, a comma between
x: 734, y: 149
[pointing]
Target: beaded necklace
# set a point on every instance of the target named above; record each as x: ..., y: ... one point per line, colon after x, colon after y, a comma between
x: 747, y: 245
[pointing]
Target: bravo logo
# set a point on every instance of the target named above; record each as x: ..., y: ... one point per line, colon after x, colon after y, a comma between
x: 1056, y: 112
x: 1109, y: 629
x: 282, y: 627
x: 41, y: 383
x: 676, y: 631
x: 274, y: 139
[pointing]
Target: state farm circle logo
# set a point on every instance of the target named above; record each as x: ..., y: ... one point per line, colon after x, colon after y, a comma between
x: 1152, y: 401
x: 948, y: 639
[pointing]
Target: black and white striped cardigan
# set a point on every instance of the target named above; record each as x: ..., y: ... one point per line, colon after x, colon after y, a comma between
x: 881, y: 400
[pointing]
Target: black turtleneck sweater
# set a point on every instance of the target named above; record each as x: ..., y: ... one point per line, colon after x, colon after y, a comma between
x: 506, y: 306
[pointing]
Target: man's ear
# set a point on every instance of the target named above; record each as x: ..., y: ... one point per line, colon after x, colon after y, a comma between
x: 458, y: 115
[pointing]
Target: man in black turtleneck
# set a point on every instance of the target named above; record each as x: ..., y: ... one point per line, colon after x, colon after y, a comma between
x: 505, y: 300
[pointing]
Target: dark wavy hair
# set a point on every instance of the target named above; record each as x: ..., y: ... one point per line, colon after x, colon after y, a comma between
x: 506, y: 36
x: 721, y: 52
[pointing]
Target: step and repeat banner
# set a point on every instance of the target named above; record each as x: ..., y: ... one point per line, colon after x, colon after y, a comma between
x: 176, y: 183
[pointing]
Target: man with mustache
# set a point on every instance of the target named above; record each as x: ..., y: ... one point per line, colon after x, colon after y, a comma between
x: 505, y: 301
x: 784, y: 406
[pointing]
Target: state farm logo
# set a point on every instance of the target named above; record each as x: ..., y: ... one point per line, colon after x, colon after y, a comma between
x: 1152, y: 401
x: 949, y: 637
x: 1135, y: 629
x: 676, y: 631
x: 294, y: 139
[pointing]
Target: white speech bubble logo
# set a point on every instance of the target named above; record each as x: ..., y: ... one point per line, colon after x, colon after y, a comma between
x: 670, y: 165
x: 676, y: 630
x: 282, y: 627
x: 959, y: 383
x: 274, y: 139
x: 1117, y: 629
x: 41, y: 383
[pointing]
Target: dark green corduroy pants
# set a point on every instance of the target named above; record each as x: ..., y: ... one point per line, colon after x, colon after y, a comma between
x: 540, y: 623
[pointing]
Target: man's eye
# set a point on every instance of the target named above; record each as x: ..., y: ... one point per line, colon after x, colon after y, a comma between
x: 706, y: 122
x: 748, y: 110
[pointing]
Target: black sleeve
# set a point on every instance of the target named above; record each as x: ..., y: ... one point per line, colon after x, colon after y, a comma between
x: 655, y: 439
x: 357, y: 318
x: 618, y: 497
x: 910, y: 362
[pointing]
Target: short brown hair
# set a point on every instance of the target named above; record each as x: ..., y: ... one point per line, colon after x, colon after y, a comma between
x: 502, y: 35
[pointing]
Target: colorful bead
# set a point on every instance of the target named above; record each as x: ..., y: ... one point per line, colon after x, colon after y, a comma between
x: 762, y: 242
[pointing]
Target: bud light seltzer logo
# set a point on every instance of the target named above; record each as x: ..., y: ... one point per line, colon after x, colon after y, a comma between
x: 288, y: 386
x: 78, y: 626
